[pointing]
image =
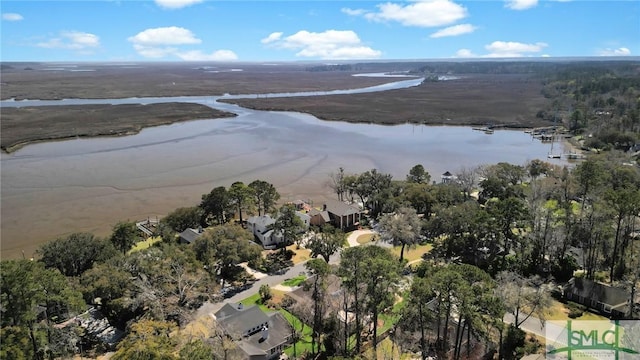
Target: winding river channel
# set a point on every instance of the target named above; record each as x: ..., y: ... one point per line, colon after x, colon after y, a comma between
x: 55, y: 188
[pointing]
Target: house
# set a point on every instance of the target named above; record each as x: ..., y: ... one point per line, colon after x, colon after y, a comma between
x: 610, y: 301
x: 190, y: 235
x: 260, y: 227
x: 319, y: 217
x: 447, y: 178
x: 259, y: 335
x: 342, y: 215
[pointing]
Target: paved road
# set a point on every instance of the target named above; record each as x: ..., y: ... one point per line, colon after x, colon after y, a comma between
x: 531, y: 325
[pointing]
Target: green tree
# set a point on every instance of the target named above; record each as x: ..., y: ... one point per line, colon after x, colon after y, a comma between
x: 148, y: 339
x: 216, y: 206
x: 288, y: 224
x: 75, y: 253
x: 352, y: 271
x: 265, y: 293
x: 381, y: 276
x: 326, y: 242
x: 221, y: 248
x: 241, y: 197
x: 28, y: 291
x: 418, y: 175
x: 401, y: 228
x: 125, y: 235
x: 197, y: 349
x: 319, y: 269
x: 183, y: 218
x: 265, y: 195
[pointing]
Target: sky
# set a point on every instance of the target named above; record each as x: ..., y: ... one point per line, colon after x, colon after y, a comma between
x: 308, y: 30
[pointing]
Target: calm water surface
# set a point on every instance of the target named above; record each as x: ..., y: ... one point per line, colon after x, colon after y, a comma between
x: 56, y: 188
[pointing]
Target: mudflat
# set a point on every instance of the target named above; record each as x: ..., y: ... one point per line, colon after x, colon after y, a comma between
x: 21, y: 126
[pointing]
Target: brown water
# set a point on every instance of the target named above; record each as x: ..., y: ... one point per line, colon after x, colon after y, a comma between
x: 52, y: 189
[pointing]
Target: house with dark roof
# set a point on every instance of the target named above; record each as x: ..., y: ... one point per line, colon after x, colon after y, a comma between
x: 447, y: 178
x: 342, y: 215
x: 190, y: 235
x: 259, y: 335
x: 610, y: 301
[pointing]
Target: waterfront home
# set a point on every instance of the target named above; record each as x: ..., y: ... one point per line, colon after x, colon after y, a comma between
x: 190, y: 235
x: 258, y: 335
x: 340, y: 214
x: 260, y: 227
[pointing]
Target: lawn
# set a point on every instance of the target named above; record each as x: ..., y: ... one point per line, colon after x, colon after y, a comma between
x: 301, y: 254
x: 141, y: 245
x: 365, y: 238
x: 558, y: 311
x: 412, y: 254
x: 295, y: 281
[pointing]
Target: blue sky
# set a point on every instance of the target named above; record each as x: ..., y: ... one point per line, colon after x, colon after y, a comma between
x: 236, y: 30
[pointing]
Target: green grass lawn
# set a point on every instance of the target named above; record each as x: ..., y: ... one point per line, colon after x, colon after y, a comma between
x: 295, y: 281
x: 141, y: 245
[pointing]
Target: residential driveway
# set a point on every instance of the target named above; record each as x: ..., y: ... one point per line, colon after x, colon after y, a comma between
x: 352, y: 239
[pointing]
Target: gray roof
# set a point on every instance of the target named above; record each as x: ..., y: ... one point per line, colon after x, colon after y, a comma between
x: 190, y: 235
x: 605, y: 294
x: 264, y: 220
x: 278, y: 334
x: 235, y: 323
x: 340, y: 208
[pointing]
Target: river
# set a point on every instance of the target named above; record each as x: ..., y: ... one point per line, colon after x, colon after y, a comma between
x: 55, y: 188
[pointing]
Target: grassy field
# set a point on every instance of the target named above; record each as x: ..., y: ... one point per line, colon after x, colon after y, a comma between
x: 412, y: 254
x: 141, y: 245
x: 301, y: 254
x: 511, y: 100
x: 294, y: 281
x: 365, y: 238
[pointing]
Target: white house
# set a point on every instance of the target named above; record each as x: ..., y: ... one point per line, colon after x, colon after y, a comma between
x: 260, y: 228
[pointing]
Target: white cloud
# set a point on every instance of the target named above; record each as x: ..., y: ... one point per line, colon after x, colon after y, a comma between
x: 161, y: 42
x: 512, y: 49
x: 272, y: 37
x: 465, y: 53
x: 520, y: 4
x: 330, y: 44
x: 72, y: 40
x: 505, y: 49
x: 353, y: 12
x: 12, y: 17
x: 172, y: 35
x: 622, y: 51
x: 197, y: 55
x: 454, y: 31
x: 428, y: 13
x: 176, y: 4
